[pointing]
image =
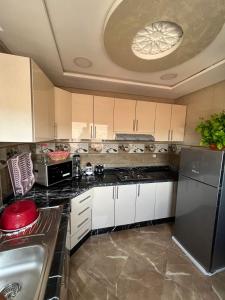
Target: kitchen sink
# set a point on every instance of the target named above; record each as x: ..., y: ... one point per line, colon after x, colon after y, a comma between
x: 26, y: 257
x: 21, y: 271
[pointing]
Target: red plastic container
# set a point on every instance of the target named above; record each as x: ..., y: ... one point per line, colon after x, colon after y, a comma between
x: 19, y: 214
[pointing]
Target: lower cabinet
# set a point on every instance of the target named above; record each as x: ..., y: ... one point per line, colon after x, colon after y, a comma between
x: 109, y: 206
x: 125, y: 198
x: 145, y: 202
x: 103, y: 207
x: 165, y: 202
x: 80, y: 217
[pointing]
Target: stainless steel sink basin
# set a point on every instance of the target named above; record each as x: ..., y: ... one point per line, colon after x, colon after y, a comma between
x: 25, y: 258
x: 21, y: 270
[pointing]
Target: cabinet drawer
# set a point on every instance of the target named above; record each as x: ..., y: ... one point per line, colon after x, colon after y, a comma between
x: 80, y: 219
x: 80, y: 201
x: 80, y: 234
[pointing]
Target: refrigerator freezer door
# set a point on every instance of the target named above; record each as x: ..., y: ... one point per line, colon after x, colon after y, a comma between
x: 195, y: 219
x: 202, y: 164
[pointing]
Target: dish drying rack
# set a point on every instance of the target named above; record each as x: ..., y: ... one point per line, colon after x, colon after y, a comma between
x: 21, y: 173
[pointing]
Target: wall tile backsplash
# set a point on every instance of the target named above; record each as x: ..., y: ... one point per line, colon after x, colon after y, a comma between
x: 111, y: 154
x: 88, y: 148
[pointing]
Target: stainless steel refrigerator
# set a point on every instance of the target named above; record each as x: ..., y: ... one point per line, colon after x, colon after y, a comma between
x: 200, y: 210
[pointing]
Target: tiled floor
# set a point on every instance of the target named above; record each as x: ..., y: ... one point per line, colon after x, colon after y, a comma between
x: 139, y: 264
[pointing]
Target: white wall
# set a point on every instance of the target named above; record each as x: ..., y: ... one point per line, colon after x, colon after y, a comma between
x: 202, y: 103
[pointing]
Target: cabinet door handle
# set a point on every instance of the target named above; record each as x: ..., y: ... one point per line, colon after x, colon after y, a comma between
x: 91, y: 132
x: 81, y: 212
x: 85, y: 199
x: 171, y: 135
x: 117, y: 189
x: 113, y: 192
x: 82, y: 223
x: 139, y: 188
x: 55, y: 130
x: 86, y: 231
x: 133, y: 125
x: 137, y: 125
x: 168, y: 134
x: 95, y: 132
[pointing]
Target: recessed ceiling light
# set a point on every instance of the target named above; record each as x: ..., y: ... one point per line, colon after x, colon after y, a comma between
x: 157, y: 40
x: 1, y: 29
x: 82, y: 62
x: 168, y: 76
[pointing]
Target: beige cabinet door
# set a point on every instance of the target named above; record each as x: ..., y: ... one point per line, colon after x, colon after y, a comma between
x: 145, y: 117
x: 178, y: 117
x: 63, y: 114
x: 15, y: 99
x: 43, y: 105
x: 82, y: 116
x: 162, y: 122
x: 103, y: 117
x: 124, y: 116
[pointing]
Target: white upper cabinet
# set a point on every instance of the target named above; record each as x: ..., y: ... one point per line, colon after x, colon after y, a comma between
x: 134, y: 116
x: 43, y: 105
x: 162, y: 122
x: 145, y: 117
x: 170, y: 122
x: 177, y: 126
x: 82, y: 116
x: 124, y: 116
x: 26, y: 101
x: 63, y: 114
x: 15, y: 99
x: 103, y: 117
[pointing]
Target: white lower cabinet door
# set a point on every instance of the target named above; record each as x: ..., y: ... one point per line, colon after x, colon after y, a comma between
x: 103, y: 207
x: 125, y: 198
x: 145, y: 202
x: 164, y: 204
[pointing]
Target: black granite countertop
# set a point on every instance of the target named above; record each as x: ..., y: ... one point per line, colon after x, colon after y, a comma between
x: 56, y: 272
x: 61, y: 194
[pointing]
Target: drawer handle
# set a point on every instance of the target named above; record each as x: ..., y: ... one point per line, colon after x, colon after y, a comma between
x: 81, y: 212
x: 78, y: 226
x: 86, y: 231
x: 84, y: 199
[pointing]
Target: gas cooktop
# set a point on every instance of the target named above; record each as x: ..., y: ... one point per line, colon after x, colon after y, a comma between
x: 136, y: 175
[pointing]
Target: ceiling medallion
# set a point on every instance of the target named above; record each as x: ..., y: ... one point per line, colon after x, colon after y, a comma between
x: 157, y: 40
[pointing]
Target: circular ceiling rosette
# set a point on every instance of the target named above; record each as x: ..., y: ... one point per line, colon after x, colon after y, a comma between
x: 154, y: 35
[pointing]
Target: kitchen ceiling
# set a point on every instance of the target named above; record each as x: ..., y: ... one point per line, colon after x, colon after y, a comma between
x: 87, y: 44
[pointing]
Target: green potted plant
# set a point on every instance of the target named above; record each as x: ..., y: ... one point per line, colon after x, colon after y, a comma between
x: 213, y: 131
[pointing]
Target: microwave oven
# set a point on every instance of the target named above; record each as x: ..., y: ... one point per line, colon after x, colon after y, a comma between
x: 52, y: 172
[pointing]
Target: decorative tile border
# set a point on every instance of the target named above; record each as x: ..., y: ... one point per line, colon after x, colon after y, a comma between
x: 89, y: 148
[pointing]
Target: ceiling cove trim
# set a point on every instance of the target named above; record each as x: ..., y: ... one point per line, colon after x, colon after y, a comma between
x: 53, y: 33
x: 138, y: 83
x: 114, y: 80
